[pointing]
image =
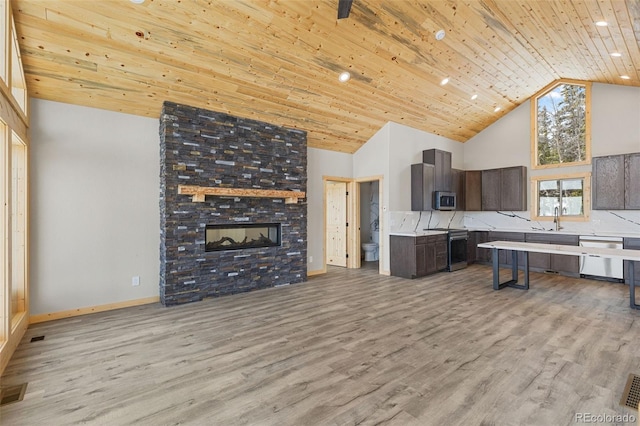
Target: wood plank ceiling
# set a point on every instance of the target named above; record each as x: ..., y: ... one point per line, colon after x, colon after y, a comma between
x: 279, y: 60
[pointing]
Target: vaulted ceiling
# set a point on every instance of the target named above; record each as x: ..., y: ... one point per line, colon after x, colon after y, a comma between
x: 279, y: 60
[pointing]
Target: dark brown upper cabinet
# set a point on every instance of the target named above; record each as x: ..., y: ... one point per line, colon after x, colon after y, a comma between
x: 513, y: 188
x: 608, y: 183
x: 504, y: 189
x: 442, y: 162
x: 616, y: 182
x: 458, y: 186
x: 632, y: 181
x: 473, y: 190
x: 422, y: 179
x: 491, y: 194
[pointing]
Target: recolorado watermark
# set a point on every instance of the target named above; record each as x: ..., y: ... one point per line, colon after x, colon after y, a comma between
x: 604, y: 418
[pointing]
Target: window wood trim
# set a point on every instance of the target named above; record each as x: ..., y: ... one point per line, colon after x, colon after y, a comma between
x: 534, y: 125
x: 586, y: 200
x: 14, y: 124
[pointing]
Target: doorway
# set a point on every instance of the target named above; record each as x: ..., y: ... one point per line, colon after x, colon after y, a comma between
x: 351, y: 218
x: 336, y: 222
x: 369, y: 222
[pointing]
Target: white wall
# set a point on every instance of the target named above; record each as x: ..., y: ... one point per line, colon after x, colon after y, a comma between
x: 505, y: 143
x: 372, y: 159
x: 405, y: 148
x: 321, y: 163
x: 615, y: 129
x: 615, y: 122
x: 94, y: 207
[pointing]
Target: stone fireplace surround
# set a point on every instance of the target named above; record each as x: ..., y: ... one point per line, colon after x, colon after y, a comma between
x: 212, y: 149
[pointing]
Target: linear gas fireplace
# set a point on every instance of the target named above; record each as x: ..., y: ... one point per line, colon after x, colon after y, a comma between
x: 236, y: 236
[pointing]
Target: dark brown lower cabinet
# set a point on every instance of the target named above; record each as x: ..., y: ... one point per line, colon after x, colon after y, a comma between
x: 442, y: 252
x: 472, y: 243
x: 565, y: 265
x: 413, y: 257
x: 420, y: 260
x: 631, y: 243
x: 540, y: 262
x: 430, y: 258
x: 474, y: 253
x: 559, y: 263
x: 505, y: 255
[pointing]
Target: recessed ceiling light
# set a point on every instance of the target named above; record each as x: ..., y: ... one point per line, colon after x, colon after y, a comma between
x: 496, y: 109
x: 616, y: 54
x: 625, y: 77
x: 344, y: 76
x: 602, y: 23
x: 440, y: 35
x: 474, y: 97
x: 137, y: 1
x: 444, y: 81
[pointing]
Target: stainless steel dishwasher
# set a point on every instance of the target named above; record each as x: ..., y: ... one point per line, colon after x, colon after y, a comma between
x: 599, y: 266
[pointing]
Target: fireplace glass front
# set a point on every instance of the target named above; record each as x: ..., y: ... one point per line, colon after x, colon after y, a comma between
x: 236, y: 236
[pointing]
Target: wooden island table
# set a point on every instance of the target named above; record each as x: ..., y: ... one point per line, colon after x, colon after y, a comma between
x: 630, y: 256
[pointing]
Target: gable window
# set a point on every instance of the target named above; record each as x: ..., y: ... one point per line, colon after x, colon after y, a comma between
x: 564, y: 196
x: 560, y: 123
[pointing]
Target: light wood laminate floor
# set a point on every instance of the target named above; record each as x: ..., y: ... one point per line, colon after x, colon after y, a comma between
x: 348, y: 347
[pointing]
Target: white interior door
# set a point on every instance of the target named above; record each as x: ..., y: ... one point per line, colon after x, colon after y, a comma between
x: 336, y: 238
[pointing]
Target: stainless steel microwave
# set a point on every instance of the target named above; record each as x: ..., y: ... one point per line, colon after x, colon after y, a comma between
x: 444, y: 200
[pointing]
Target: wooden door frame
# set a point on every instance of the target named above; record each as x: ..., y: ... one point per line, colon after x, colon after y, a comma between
x: 381, y: 224
x: 351, y: 219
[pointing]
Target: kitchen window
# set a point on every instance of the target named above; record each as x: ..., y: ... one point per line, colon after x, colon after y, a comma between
x: 561, y: 125
x: 566, y: 196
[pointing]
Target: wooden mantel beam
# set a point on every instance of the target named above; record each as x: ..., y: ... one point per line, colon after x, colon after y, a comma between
x: 199, y: 192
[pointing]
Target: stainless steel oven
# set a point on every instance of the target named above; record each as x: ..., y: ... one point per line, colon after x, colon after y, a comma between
x: 457, y: 248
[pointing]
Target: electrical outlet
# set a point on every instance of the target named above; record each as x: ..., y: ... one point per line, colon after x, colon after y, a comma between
x: 310, y: 259
x: 135, y: 281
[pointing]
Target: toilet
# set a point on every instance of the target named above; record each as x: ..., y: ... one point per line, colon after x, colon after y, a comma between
x: 371, y: 249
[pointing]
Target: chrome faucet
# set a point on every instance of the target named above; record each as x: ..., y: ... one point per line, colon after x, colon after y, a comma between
x: 556, y: 218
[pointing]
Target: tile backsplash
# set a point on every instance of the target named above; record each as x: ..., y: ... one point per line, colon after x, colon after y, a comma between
x: 410, y: 221
x: 602, y: 222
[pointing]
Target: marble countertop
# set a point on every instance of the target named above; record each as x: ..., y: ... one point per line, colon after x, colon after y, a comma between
x: 561, y: 232
x: 520, y: 230
x: 562, y: 249
x: 416, y: 233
